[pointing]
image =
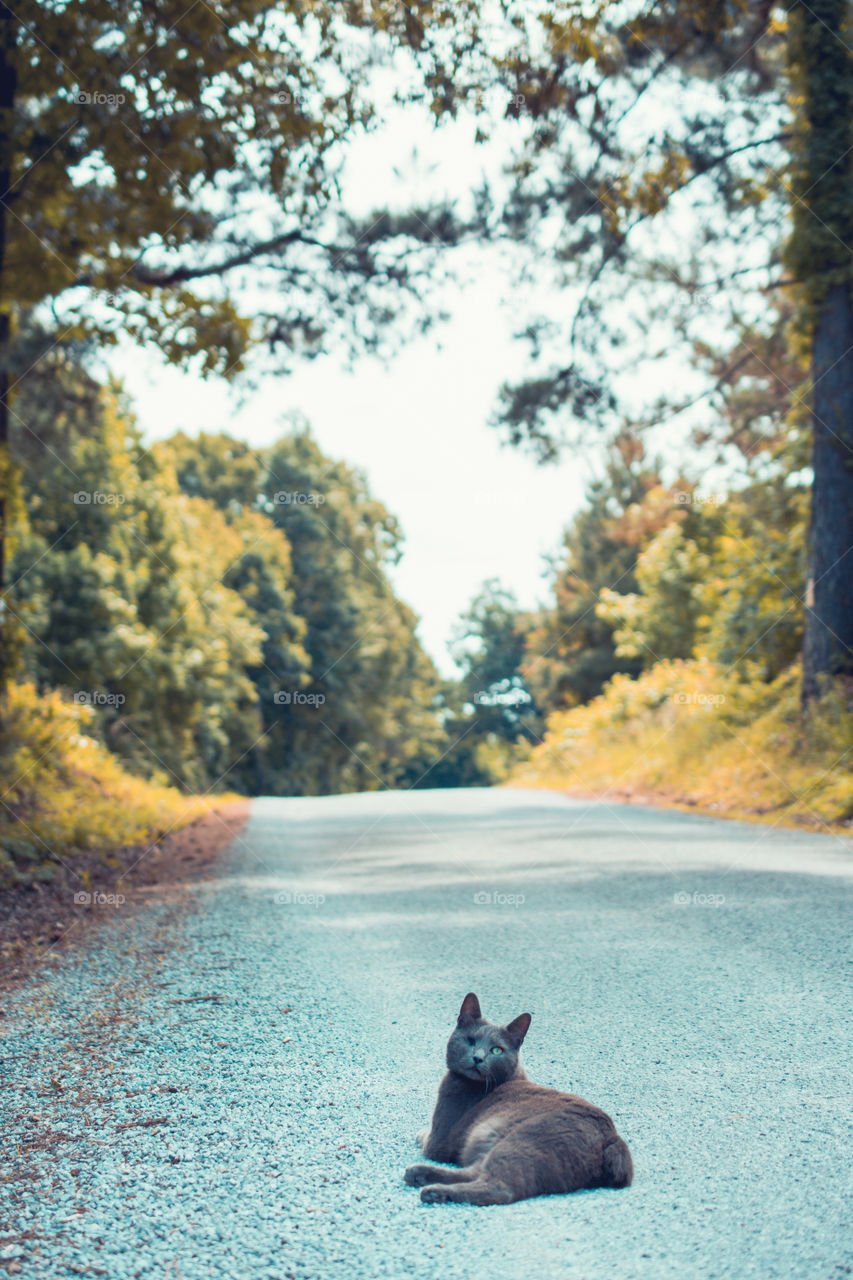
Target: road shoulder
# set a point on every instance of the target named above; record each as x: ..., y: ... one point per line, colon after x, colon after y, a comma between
x: 39, y: 922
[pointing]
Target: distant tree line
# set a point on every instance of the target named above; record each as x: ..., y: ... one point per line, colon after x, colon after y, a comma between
x: 227, y: 611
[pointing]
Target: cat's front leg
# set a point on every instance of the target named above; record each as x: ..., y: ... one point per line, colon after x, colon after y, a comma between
x: 422, y: 1175
x: 463, y: 1191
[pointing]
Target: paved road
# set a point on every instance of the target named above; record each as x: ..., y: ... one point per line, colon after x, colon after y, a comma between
x: 233, y: 1090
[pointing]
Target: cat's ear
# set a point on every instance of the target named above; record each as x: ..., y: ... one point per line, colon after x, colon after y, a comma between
x: 518, y: 1028
x: 470, y: 1010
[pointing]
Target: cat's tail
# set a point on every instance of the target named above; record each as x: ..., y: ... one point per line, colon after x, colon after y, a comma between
x: 617, y: 1163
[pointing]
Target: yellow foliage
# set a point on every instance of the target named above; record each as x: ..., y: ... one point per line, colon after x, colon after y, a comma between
x: 63, y: 791
x: 695, y: 734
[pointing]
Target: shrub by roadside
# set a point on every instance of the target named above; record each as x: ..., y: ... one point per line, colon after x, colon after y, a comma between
x: 694, y: 734
x: 61, y: 791
x: 80, y: 837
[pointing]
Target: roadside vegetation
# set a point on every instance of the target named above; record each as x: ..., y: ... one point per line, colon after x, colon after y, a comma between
x: 698, y: 735
x: 667, y: 660
x: 64, y: 793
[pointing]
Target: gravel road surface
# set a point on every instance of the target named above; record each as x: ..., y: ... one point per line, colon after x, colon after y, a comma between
x: 231, y: 1088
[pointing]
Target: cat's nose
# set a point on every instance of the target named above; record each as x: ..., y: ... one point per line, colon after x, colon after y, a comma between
x: 479, y: 1057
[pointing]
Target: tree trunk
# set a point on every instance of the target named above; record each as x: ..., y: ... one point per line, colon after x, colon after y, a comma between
x: 820, y: 256
x: 828, y: 643
x: 8, y: 85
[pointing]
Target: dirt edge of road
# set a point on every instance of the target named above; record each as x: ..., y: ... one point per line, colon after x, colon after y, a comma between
x: 678, y: 803
x: 38, y: 922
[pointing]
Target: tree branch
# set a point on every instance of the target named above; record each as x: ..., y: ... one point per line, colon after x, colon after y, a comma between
x: 182, y: 275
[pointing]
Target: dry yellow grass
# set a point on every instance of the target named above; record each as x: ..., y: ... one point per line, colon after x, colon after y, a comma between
x: 62, y: 790
x: 691, y: 734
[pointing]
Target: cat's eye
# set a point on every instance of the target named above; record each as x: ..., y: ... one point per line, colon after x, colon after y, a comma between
x: 497, y: 1049
x: 471, y: 1040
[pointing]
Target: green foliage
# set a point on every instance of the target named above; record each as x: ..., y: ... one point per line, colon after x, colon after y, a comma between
x: 724, y: 582
x: 216, y: 467
x: 661, y: 619
x: 173, y: 148
x: 646, y: 187
x: 353, y: 706
x: 571, y: 652
x: 760, y: 406
x: 377, y: 686
x: 489, y: 715
x: 489, y: 648
x: 228, y: 615
x: 654, y: 572
x: 710, y: 611
x: 754, y: 595
x: 172, y: 153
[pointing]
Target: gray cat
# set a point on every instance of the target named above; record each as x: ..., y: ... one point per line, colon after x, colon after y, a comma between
x: 512, y: 1138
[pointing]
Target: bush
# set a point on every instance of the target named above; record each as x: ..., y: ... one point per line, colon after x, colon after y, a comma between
x: 64, y: 791
x: 698, y: 734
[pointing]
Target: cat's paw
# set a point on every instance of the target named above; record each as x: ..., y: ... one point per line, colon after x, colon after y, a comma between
x: 418, y: 1175
x: 436, y: 1194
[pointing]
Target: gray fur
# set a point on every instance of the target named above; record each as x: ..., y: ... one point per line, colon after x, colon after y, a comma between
x: 509, y: 1138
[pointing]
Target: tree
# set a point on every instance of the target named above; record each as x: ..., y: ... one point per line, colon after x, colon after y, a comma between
x: 228, y: 631
x: 225, y: 471
x: 723, y: 579
x: 120, y: 587
x: 361, y: 711
x: 489, y: 648
x: 820, y: 255
x: 151, y: 155
x: 571, y: 652
x: 371, y: 702
x: 748, y: 110
x: 753, y: 598
x: 488, y: 712
x: 662, y: 618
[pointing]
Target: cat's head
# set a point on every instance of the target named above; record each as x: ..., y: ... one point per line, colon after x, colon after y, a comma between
x: 481, y: 1050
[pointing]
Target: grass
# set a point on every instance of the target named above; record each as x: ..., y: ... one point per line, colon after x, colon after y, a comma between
x: 694, y: 735
x: 61, y: 791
